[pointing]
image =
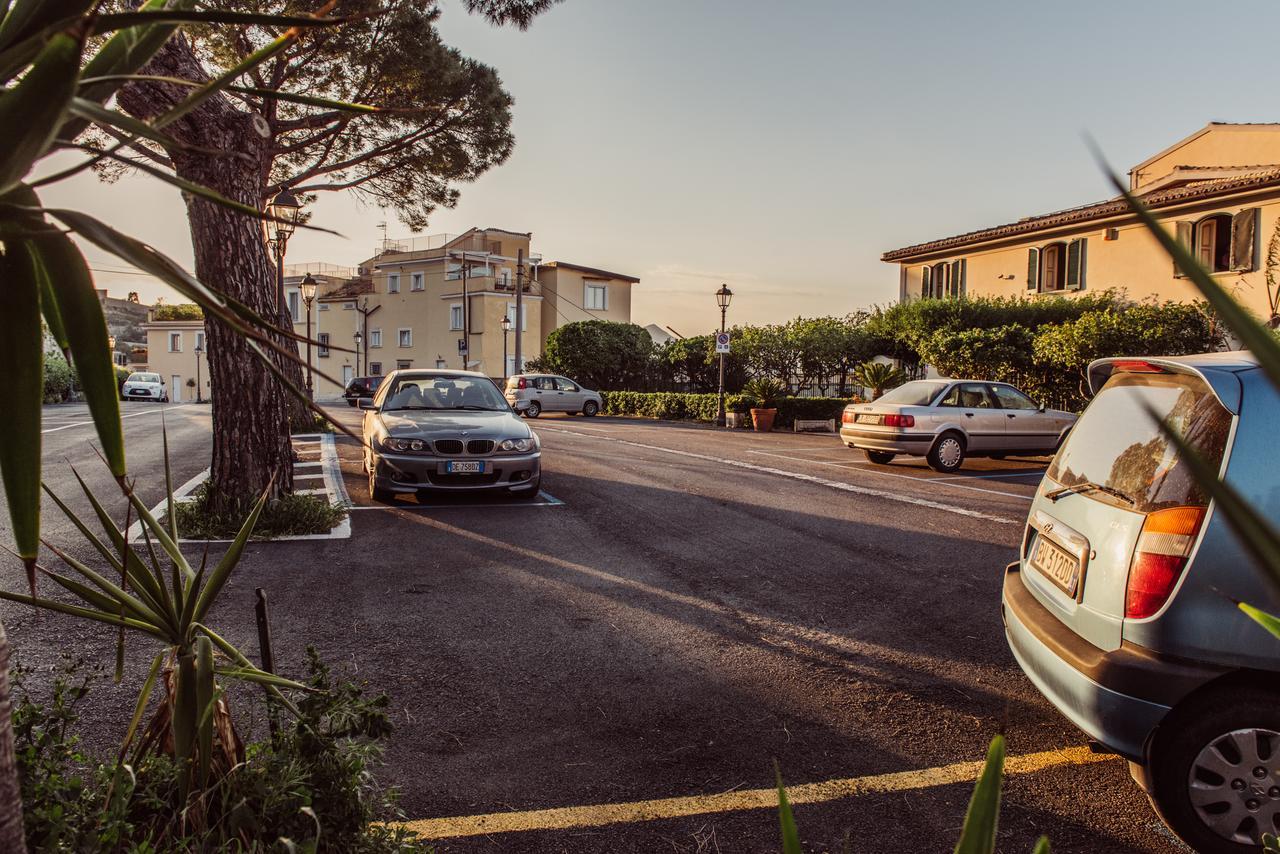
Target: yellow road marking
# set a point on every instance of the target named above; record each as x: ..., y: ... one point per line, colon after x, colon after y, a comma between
x: 596, y: 815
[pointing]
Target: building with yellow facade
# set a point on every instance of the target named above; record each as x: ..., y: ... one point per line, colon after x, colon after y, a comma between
x: 1217, y: 190
x: 439, y: 301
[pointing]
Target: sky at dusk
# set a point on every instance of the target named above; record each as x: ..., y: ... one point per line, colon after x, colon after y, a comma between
x: 781, y: 147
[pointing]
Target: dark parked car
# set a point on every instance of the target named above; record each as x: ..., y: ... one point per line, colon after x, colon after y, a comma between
x: 361, y: 387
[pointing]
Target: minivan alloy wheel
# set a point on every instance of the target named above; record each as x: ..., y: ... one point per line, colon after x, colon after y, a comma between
x: 1234, y: 784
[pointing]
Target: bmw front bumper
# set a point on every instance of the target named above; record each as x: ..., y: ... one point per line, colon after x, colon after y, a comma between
x: 412, y: 472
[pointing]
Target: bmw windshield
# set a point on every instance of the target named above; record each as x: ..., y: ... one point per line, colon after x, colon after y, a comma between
x: 443, y: 392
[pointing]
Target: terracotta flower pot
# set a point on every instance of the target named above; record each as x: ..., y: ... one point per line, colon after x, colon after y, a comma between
x: 762, y: 419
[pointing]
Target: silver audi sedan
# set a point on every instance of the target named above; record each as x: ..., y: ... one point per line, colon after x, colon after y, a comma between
x: 447, y: 431
x: 948, y: 420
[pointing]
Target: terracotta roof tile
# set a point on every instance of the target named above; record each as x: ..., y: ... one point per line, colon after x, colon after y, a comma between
x: 1261, y: 177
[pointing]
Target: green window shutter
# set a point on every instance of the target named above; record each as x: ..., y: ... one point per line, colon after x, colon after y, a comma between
x: 1186, y: 237
x: 957, y: 278
x: 1033, y: 269
x: 1075, y: 264
x: 1244, y: 239
x: 925, y: 281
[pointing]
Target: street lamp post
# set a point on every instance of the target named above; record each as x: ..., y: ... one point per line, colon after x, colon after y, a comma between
x: 506, y: 329
x: 285, y: 210
x: 723, y: 297
x: 308, y: 290
x: 358, y: 338
x: 199, y: 350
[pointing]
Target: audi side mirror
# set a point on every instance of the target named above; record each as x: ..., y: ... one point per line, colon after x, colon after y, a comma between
x: 366, y: 403
x: 1043, y: 407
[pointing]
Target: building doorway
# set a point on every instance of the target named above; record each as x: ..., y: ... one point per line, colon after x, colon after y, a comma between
x: 175, y: 388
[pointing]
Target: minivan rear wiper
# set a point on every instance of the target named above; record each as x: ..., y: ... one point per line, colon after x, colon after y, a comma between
x: 1088, y: 486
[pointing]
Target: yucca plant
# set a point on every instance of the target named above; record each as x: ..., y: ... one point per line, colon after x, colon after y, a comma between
x: 765, y: 391
x: 151, y: 589
x: 878, y: 376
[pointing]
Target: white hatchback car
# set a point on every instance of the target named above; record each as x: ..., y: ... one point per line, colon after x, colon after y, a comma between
x: 533, y: 394
x: 144, y: 386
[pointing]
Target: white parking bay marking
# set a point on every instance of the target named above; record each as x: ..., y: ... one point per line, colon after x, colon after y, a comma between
x: 122, y: 417
x: 921, y: 478
x: 808, y: 478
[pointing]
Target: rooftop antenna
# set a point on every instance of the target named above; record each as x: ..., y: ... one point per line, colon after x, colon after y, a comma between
x: 383, y: 225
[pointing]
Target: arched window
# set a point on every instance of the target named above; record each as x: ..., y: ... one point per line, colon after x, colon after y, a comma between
x: 1212, y: 242
x: 1053, y: 267
x: 926, y: 283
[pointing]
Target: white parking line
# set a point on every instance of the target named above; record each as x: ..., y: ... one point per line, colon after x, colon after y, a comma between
x: 880, y: 471
x: 988, y: 476
x: 544, y: 500
x: 808, y: 478
x: 122, y: 417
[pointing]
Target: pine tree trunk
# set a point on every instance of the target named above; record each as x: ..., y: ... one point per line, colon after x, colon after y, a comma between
x: 251, y: 447
x: 11, y: 829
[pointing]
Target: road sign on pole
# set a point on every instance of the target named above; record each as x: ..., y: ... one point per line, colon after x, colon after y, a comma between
x: 462, y: 345
x: 722, y: 342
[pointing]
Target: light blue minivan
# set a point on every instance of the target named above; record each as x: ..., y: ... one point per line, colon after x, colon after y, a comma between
x: 1122, y: 605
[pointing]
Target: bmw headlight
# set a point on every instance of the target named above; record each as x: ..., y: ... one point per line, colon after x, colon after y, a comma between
x: 517, y: 445
x: 392, y: 444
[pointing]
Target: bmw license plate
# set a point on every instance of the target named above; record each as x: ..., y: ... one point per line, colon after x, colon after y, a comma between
x: 1058, y: 565
x: 464, y: 467
x: 870, y: 419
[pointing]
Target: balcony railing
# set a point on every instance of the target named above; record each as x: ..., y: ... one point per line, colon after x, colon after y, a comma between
x: 319, y: 268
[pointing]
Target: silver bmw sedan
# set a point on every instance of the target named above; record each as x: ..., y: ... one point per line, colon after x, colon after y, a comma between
x: 449, y: 431
x: 948, y: 420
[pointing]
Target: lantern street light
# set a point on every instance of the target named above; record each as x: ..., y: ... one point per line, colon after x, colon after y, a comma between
x: 506, y: 328
x: 358, y: 338
x: 199, y: 350
x: 723, y: 297
x: 308, y: 287
x: 285, y: 211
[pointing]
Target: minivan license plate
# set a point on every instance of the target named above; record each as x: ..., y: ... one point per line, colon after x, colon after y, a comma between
x: 464, y: 467
x: 1058, y: 565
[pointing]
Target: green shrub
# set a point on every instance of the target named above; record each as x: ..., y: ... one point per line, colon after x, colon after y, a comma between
x: 59, y: 379
x: 178, y: 311
x: 672, y: 406
x: 312, y: 784
x: 288, y: 515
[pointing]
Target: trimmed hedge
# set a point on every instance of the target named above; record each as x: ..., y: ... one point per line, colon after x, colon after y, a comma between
x: 674, y: 406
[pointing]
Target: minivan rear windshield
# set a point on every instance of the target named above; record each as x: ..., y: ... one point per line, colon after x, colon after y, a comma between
x: 1117, y: 444
x: 918, y: 393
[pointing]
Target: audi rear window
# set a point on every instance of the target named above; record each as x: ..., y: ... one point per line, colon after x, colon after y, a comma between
x: 918, y: 393
x: 1116, y: 442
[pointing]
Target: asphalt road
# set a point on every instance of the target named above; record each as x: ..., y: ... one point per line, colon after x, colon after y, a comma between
x: 698, y: 606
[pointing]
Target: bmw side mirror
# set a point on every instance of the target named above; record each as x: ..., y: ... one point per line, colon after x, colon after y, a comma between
x: 366, y: 403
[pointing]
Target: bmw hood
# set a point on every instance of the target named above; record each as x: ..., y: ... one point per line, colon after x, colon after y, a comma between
x: 433, y: 424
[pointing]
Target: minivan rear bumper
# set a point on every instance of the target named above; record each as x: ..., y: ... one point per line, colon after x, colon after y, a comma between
x: 1117, y: 697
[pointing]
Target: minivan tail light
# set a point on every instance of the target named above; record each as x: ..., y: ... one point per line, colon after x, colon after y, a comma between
x: 899, y: 421
x: 1159, y: 558
x: 521, y: 383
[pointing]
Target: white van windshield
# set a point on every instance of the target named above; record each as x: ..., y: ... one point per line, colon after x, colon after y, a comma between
x: 1117, y: 444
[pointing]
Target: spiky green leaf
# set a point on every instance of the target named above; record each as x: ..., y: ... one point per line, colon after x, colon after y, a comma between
x: 979, y: 833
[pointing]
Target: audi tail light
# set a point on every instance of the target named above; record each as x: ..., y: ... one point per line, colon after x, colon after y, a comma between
x: 1164, y: 546
x: 900, y: 420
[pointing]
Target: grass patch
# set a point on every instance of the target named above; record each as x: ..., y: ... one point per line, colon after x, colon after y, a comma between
x: 288, y: 515
x: 318, y: 424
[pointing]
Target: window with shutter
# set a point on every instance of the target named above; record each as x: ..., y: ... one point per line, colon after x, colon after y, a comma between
x: 1075, y: 264
x: 925, y: 282
x: 1186, y: 237
x: 957, y: 279
x: 1033, y: 269
x: 1212, y: 242
x: 1244, y: 241
x: 1053, y: 267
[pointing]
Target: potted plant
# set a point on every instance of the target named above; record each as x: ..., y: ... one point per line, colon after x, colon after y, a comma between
x: 738, y: 408
x: 878, y: 376
x: 765, y: 392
